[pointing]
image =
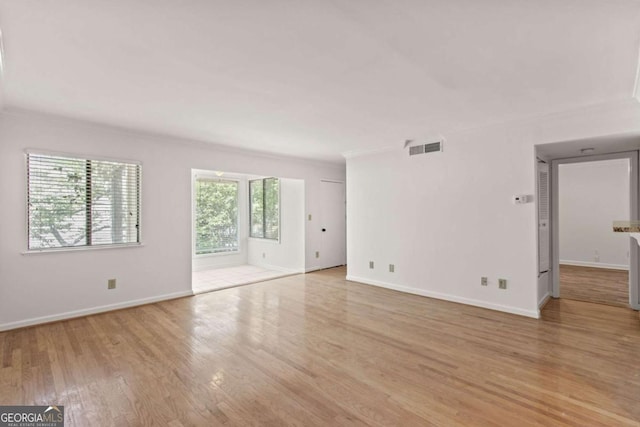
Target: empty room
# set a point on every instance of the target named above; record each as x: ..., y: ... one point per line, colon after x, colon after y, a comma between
x: 319, y: 213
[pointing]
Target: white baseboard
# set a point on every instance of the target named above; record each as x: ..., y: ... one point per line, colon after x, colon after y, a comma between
x: 543, y: 300
x: 594, y: 264
x: 92, y: 310
x: 447, y: 297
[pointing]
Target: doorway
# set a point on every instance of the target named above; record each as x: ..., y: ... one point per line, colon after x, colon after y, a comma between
x: 594, y: 261
x: 589, y: 261
x: 332, y: 225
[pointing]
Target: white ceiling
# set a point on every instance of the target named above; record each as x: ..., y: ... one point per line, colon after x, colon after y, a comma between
x: 315, y: 78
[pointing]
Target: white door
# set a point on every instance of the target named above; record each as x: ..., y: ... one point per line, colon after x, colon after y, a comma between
x: 332, y: 225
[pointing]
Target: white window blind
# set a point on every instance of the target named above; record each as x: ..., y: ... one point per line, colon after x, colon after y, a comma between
x: 75, y: 202
x: 264, y: 201
x: 216, y: 216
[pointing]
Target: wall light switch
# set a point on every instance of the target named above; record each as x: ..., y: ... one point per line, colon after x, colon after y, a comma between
x: 392, y: 268
x: 370, y: 264
x: 502, y: 283
x: 111, y: 284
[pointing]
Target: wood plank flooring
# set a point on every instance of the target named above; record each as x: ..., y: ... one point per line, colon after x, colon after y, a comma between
x: 316, y: 350
x: 598, y: 285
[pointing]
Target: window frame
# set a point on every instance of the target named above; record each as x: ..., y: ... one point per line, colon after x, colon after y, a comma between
x: 250, y: 204
x: 85, y: 157
x: 194, y: 198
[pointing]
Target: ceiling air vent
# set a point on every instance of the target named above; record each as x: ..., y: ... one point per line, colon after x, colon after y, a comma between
x: 425, y: 148
x: 416, y: 149
x: 433, y: 147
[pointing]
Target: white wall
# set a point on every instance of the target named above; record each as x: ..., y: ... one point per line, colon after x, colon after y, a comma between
x: 446, y: 219
x: 592, y: 195
x: 43, y: 287
x: 288, y: 254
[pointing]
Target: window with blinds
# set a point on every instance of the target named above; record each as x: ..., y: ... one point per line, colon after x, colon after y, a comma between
x: 216, y: 216
x: 264, y: 207
x: 76, y: 202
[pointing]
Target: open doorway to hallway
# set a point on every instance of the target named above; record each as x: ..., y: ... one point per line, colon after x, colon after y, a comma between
x: 593, y: 260
x: 611, y: 264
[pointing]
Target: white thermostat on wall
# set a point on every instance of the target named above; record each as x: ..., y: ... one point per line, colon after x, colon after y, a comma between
x: 520, y: 199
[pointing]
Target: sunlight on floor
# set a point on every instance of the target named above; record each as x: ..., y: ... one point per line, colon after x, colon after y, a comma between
x: 221, y: 278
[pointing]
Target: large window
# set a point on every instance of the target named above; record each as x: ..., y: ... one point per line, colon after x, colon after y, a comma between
x: 264, y: 201
x: 75, y: 202
x: 216, y: 216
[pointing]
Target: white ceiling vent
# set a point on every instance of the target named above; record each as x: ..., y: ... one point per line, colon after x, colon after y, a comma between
x: 416, y: 149
x: 432, y: 147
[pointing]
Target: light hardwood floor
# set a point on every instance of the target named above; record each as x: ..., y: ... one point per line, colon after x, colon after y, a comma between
x: 316, y: 350
x: 598, y: 285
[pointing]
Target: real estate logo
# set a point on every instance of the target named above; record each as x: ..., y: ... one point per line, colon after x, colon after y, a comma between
x: 31, y: 416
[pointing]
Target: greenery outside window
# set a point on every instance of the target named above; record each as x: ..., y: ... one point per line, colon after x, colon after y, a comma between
x: 216, y: 216
x: 78, y: 202
x: 264, y: 207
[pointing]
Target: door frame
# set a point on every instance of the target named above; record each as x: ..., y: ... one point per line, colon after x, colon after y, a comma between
x: 634, y: 282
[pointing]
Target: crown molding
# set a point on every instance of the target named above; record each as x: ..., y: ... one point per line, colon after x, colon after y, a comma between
x: 352, y: 154
x: 615, y: 107
x: 171, y: 139
x: 618, y: 107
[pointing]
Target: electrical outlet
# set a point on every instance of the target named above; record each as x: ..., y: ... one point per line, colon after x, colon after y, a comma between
x: 484, y: 281
x: 111, y: 284
x: 370, y: 264
x: 392, y: 268
x: 502, y: 283
x: 317, y: 254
